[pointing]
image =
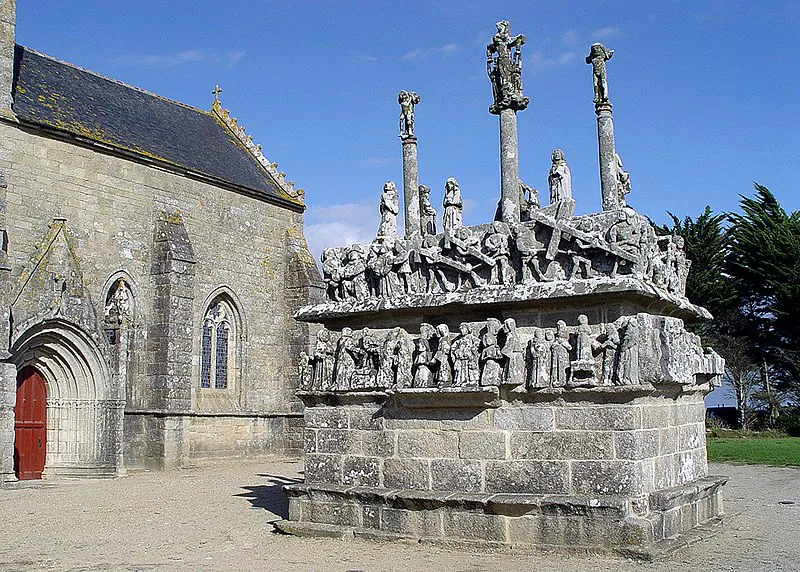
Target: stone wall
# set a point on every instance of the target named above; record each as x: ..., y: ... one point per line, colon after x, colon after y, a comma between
x: 564, y: 448
x: 112, y: 208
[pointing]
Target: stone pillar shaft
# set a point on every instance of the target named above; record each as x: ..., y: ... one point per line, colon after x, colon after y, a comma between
x: 607, y: 152
x: 509, y: 167
x: 411, y: 188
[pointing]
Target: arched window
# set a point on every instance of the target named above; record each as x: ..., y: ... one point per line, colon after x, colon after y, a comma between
x: 217, y: 353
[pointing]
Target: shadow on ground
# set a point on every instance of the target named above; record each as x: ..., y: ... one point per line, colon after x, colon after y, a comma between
x: 270, y: 496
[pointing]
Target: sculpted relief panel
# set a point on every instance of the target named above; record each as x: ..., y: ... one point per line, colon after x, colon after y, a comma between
x: 631, y: 351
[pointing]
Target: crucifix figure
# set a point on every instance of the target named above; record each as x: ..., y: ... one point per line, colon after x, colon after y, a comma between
x: 504, y: 66
x: 215, y: 92
x: 407, y: 101
x: 598, y: 56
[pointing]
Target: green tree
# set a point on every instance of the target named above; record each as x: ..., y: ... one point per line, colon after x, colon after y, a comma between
x: 764, y: 261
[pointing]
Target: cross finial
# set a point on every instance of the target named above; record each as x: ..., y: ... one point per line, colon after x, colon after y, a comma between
x: 216, y: 91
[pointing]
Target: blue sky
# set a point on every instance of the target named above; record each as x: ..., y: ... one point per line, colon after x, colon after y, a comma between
x: 705, y: 93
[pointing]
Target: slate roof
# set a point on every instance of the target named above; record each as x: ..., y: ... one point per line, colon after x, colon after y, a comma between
x: 57, y: 95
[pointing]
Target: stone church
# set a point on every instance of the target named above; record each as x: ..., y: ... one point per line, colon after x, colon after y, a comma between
x: 150, y: 264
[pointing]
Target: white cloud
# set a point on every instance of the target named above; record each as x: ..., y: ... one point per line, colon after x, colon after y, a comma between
x: 607, y: 32
x: 412, y: 55
x: 449, y: 49
x: 179, y: 58
x: 339, y: 225
x: 363, y: 58
x: 571, y: 36
x: 538, y: 62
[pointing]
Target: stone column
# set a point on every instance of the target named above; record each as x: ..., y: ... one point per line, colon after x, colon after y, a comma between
x: 607, y: 153
x: 7, y: 22
x: 8, y: 398
x: 411, y: 187
x: 509, y: 167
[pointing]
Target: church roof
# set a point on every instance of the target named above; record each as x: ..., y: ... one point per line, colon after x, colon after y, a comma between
x: 207, y: 145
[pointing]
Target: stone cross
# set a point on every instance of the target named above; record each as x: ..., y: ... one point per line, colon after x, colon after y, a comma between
x: 504, y: 66
x: 598, y: 56
x: 215, y: 92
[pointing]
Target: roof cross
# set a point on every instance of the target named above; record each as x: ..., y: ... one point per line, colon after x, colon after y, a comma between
x: 216, y: 91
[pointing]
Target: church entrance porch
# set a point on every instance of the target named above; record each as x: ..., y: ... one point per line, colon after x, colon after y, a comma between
x: 30, y: 430
x: 68, y: 416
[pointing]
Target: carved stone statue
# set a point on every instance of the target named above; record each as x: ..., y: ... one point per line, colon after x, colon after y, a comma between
x: 583, y: 367
x: 623, y: 180
x: 560, y: 178
x: 380, y: 261
x: 423, y: 357
x: 331, y: 269
x: 119, y: 307
x: 407, y: 101
x: 404, y: 351
x: 629, y: 354
x: 453, y: 204
x: 304, y: 370
x: 608, y: 346
x: 444, y: 370
x: 514, y: 364
x: 464, y: 353
x: 496, y: 243
x: 559, y: 356
x: 504, y: 66
x: 322, y: 362
x: 491, y: 371
x: 539, y: 360
x: 387, y: 365
x: 345, y: 362
x: 390, y: 206
x: 426, y: 211
x: 401, y: 266
x: 598, y: 56
x: 354, y: 282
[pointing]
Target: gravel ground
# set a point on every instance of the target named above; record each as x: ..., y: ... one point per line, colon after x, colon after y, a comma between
x: 218, y: 517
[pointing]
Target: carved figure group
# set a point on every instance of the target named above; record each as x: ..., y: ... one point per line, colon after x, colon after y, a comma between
x: 495, y: 353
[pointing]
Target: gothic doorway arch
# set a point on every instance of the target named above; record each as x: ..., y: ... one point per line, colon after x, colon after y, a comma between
x: 84, y: 407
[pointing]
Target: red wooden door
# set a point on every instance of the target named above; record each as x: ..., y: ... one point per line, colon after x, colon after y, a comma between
x: 30, y: 427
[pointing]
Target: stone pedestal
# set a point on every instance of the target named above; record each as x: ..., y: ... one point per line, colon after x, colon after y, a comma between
x: 594, y: 470
x: 608, y: 167
x: 411, y: 187
x: 509, y: 167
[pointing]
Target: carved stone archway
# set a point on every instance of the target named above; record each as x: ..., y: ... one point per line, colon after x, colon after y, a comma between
x: 84, y: 403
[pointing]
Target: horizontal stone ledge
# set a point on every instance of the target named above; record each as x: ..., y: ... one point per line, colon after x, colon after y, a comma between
x: 686, y: 494
x: 448, y: 397
x: 507, y: 504
x: 234, y: 414
x: 334, y: 398
x: 656, y: 300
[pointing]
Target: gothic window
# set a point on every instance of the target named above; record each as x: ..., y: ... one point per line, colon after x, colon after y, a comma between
x: 217, y: 352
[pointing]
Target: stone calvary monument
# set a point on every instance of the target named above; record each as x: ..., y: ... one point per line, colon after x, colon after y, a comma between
x: 528, y: 381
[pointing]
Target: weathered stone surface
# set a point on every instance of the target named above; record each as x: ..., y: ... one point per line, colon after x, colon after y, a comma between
x: 331, y: 513
x: 456, y: 475
x: 613, y: 418
x: 609, y: 478
x: 424, y: 523
x: 321, y: 468
x: 525, y: 418
x: 379, y: 443
x: 406, y: 474
x: 326, y: 418
x: 474, y: 526
x: 361, y: 471
x: 562, y: 445
x: 636, y: 445
x: 427, y: 444
x: 482, y: 445
x: 537, y: 477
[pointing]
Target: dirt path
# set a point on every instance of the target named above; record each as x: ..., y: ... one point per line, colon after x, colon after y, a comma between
x: 217, y: 517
